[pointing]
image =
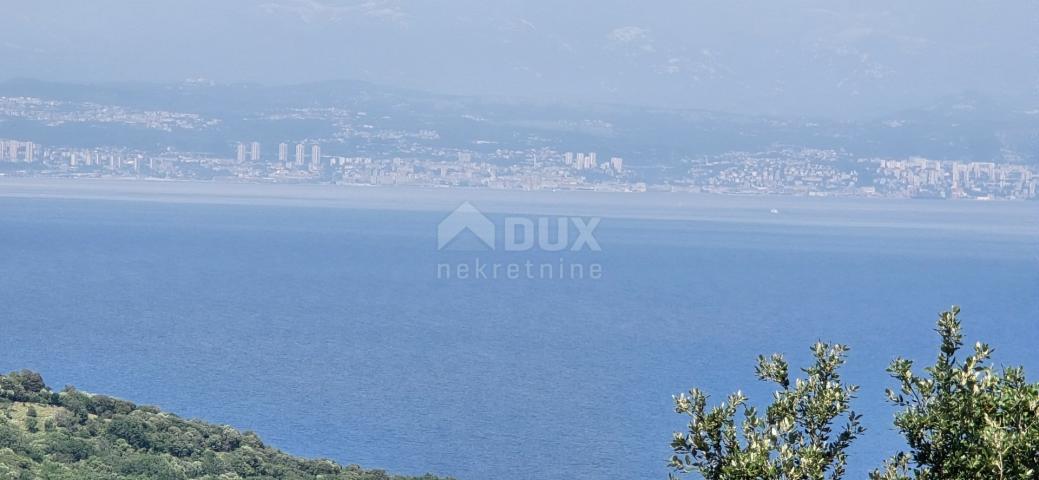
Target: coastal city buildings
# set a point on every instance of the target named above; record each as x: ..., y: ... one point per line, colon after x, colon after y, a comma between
x: 782, y: 171
x: 829, y: 173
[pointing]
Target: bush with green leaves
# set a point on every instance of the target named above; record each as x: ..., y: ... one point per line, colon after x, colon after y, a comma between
x: 24, y: 386
x: 795, y: 438
x: 961, y: 419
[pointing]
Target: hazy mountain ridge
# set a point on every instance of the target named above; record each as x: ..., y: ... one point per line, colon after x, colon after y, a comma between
x: 965, y: 127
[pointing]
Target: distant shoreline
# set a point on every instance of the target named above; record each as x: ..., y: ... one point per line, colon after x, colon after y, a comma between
x: 1015, y: 217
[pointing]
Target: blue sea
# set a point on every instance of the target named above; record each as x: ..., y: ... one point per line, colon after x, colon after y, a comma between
x: 327, y: 331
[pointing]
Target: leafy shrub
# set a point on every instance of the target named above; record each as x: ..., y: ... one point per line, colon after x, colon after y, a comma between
x: 962, y: 419
x: 153, y: 467
x: 11, y: 437
x: 105, y: 407
x: 794, y: 438
x: 68, y: 449
x: 24, y: 386
x: 131, y: 429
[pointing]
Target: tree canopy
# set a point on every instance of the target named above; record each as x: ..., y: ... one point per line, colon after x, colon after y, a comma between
x: 961, y: 420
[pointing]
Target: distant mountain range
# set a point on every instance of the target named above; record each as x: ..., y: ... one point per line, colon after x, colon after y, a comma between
x: 358, y: 117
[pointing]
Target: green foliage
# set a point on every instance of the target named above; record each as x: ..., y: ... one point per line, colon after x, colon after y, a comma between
x: 31, y: 424
x: 65, y: 448
x: 11, y: 437
x: 24, y: 386
x: 962, y: 419
x: 795, y: 437
x: 94, y: 437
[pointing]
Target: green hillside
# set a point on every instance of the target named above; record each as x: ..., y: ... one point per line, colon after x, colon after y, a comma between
x: 77, y: 436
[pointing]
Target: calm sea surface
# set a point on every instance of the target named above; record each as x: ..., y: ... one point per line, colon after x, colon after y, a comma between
x: 327, y: 331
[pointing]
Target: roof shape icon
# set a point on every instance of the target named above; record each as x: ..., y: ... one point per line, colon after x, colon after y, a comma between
x: 466, y: 217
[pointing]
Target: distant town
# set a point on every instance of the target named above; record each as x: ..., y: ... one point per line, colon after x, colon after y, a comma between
x: 781, y: 171
x: 354, y: 146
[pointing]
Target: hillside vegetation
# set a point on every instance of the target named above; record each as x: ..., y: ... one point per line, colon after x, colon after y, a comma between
x: 77, y: 436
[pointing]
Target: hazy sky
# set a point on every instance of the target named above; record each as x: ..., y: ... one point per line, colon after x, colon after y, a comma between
x: 806, y: 57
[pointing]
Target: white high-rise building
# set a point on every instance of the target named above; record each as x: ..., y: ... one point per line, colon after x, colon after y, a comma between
x: 283, y: 153
x: 240, y: 154
x: 300, y: 155
x: 12, y: 151
x: 315, y: 156
x: 617, y: 163
x: 30, y: 151
x: 254, y: 153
